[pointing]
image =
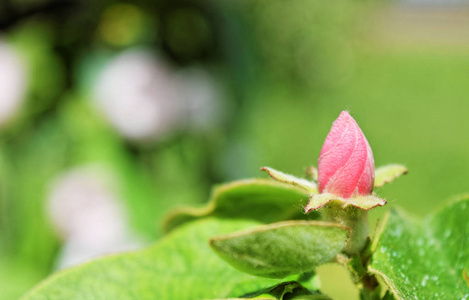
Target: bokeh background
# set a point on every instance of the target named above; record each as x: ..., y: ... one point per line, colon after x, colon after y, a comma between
x: 112, y: 113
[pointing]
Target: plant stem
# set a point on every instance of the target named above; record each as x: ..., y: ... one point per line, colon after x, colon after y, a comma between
x: 357, y: 246
x: 354, y: 218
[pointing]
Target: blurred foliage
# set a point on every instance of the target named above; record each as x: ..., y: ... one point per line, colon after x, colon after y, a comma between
x: 303, y: 42
x: 289, y: 69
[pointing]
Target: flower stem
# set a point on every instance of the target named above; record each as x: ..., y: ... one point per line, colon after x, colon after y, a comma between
x: 357, y: 247
x: 354, y: 218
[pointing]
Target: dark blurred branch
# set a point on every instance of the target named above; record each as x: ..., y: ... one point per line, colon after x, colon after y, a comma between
x: 13, y: 16
x: 6, y: 8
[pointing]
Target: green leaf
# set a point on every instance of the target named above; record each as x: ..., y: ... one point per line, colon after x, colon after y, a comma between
x: 262, y: 200
x: 308, y: 186
x: 180, y: 266
x: 281, y: 249
x: 425, y: 260
x: 388, y: 173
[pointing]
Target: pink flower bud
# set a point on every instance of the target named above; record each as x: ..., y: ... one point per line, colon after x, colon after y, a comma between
x: 346, y: 167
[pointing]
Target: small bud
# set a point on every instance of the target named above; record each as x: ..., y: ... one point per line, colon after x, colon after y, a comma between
x: 346, y: 166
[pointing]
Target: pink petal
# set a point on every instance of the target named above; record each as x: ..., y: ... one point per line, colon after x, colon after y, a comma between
x: 346, y: 166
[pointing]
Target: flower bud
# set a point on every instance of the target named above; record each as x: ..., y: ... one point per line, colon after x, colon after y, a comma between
x: 346, y: 166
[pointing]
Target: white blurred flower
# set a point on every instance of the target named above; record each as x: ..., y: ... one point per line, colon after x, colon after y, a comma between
x: 202, y: 97
x: 88, y: 216
x: 139, y: 97
x: 12, y: 82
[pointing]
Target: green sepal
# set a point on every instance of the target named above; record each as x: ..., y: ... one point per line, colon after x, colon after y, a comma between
x: 262, y: 200
x: 281, y: 249
x: 362, y: 202
x: 388, y: 173
x: 309, y: 187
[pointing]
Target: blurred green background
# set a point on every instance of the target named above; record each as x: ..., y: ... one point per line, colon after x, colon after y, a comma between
x: 233, y: 86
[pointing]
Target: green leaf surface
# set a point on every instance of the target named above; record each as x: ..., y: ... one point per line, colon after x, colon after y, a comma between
x: 262, y: 200
x: 281, y: 249
x: 180, y: 266
x: 388, y: 173
x: 307, y: 186
x: 425, y: 260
